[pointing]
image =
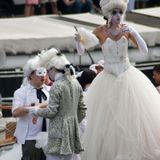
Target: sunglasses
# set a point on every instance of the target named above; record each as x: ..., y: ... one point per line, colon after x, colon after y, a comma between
x: 114, y: 12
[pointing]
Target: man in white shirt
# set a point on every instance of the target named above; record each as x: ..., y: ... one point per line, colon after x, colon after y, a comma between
x: 34, y: 93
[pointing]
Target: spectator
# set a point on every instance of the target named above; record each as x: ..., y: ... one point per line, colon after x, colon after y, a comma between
x: 154, y: 3
x: 141, y: 3
x: 98, y: 67
x: 156, y: 76
x: 74, y: 6
x: 53, y: 4
x: 131, y: 5
x: 86, y: 78
x: 96, y: 6
x: 30, y: 7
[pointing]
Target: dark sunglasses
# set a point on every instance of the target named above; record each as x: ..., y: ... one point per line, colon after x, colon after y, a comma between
x: 114, y: 12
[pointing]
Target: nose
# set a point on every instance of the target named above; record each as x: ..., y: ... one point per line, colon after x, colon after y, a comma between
x: 153, y: 77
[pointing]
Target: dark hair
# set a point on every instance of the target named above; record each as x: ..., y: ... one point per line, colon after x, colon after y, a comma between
x: 156, y: 68
x: 105, y: 18
x: 86, y: 78
x: 68, y: 66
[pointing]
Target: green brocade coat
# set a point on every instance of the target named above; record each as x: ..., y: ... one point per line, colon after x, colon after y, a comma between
x: 66, y: 109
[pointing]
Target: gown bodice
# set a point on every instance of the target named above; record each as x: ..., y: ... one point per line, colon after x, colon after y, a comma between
x: 116, y: 55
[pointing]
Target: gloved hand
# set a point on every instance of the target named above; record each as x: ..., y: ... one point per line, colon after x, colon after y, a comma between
x: 140, y: 42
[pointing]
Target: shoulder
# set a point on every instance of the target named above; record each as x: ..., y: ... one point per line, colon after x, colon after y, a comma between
x: 99, y: 29
x: 101, y: 33
x: 21, y: 91
x: 58, y: 85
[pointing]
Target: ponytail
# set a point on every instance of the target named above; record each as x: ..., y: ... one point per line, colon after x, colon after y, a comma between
x: 69, y: 69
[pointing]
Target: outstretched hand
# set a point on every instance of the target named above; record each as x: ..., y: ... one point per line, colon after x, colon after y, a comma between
x: 77, y: 37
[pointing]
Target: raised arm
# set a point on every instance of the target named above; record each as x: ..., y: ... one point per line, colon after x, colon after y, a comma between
x: 85, y: 39
x: 53, y: 106
x: 139, y: 40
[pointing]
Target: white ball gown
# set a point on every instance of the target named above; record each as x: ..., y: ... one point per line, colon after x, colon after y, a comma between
x: 13, y: 154
x: 123, y: 110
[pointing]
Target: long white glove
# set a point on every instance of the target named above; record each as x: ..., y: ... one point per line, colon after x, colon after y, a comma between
x: 141, y: 43
x: 85, y: 39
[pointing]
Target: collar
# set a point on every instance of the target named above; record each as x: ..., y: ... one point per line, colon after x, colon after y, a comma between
x: 32, y: 87
x: 58, y: 76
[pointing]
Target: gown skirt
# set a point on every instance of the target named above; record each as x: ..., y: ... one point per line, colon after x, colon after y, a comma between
x: 123, y: 118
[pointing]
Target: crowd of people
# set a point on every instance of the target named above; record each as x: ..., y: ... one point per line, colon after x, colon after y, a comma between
x: 79, y: 6
x: 107, y: 111
x: 10, y: 8
x: 58, y: 6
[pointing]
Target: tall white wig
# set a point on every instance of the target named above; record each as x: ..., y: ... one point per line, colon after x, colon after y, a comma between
x: 52, y: 58
x: 108, y: 5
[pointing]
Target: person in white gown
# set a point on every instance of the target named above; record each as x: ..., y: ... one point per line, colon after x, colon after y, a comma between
x: 123, y: 117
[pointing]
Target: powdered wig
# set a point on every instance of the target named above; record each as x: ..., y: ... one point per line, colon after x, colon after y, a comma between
x: 31, y: 65
x: 45, y: 57
x: 52, y: 58
x: 108, y: 5
x: 59, y: 62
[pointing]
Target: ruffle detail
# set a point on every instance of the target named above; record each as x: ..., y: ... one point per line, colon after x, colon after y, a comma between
x: 69, y: 142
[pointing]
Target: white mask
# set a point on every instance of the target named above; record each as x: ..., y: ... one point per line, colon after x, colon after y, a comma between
x: 40, y: 71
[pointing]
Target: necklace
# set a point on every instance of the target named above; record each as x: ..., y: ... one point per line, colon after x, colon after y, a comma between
x: 115, y: 34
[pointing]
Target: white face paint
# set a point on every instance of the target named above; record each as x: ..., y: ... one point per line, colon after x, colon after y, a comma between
x: 51, y: 73
x: 117, y: 15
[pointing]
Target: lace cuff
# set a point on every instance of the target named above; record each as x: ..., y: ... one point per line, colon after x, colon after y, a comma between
x: 88, y: 39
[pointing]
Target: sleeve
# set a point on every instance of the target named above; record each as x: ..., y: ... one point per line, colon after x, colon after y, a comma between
x: 54, y: 103
x: 18, y: 99
x: 88, y: 39
x: 81, y: 107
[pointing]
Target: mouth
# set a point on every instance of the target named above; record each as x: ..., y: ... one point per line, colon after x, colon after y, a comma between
x: 42, y: 80
x: 118, y: 19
